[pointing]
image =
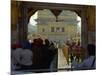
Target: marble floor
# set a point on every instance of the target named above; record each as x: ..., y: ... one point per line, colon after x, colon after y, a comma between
x: 62, y: 63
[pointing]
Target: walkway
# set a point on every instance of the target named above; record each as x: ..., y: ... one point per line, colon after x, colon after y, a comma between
x: 62, y: 63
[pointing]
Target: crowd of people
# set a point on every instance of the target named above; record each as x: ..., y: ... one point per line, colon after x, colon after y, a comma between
x: 42, y: 55
x: 89, y: 62
x: 36, y: 56
x: 80, y: 58
x: 71, y: 50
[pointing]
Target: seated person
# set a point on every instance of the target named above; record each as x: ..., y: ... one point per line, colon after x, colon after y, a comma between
x: 88, y: 63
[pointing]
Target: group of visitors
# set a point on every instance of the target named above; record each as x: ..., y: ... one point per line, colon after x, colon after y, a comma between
x: 71, y: 50
x: 77, y: 55
x: 36, y: 56
x: 41, y: 55
x: 89, y: 62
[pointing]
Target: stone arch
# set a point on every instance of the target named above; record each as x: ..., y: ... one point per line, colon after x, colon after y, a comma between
x: 81, y: 10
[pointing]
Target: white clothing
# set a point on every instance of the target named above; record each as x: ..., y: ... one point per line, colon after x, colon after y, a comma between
x: 16, y: 55
x: 26, y: 57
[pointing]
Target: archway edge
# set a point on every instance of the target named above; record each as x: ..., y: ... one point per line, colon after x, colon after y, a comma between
x: 79, y: 9
x: 56, y: 6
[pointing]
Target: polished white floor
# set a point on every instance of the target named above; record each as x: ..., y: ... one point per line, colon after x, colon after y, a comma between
x: 62, y: 63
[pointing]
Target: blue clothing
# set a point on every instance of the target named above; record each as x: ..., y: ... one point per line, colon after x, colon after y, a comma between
x: 87, y: 64
x: 26, y: 45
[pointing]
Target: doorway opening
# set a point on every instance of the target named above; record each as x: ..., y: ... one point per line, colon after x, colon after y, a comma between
x: 63, y: 30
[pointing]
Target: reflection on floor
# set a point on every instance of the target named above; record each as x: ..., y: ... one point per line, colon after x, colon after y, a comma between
x: 62, y: 63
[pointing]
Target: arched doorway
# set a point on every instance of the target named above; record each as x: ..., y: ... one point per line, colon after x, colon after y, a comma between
x: 66, y: 27
x: 80, y: 10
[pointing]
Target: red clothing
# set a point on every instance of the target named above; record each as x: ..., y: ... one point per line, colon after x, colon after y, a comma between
x: 14, y: 46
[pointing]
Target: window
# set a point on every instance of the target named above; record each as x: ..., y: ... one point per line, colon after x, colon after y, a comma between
x: 43, y: 30
x: 52, y: 29
x: 63, y: 29
x: 57, y: 29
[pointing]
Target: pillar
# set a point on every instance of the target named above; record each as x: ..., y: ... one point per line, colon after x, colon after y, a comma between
x: 23, y: 24
x: 84, y: 32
